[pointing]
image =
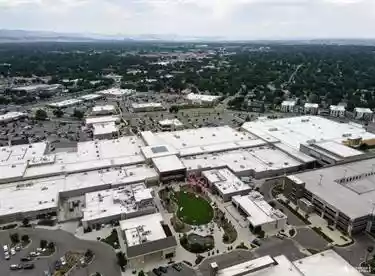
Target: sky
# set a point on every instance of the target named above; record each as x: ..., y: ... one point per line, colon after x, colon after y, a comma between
x: 231, y: 19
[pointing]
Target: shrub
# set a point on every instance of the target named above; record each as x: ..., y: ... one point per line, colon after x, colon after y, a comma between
x: 199, y: 259
x: 261, y: 234
x: 292, y: 232
x: 25, y: 238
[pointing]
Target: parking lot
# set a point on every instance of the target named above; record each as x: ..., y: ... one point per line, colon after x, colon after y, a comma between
x: 185, y: 271
x: 104, y: 260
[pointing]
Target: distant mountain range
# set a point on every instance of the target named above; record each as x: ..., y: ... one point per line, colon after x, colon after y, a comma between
x: 23, y: 36
x: 40, y: 36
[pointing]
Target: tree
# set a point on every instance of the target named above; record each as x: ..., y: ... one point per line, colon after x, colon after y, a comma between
x: 25, y: 238
x: 141, y: 273
x: 15, y: 238
x: 43, y: 243
x: 58, y: 113
x: 51, y: 245
x: 121, y: 259
x: 41, y: 115
x: 225, y: 237
x: 79, y: 114
x: 25, y: 222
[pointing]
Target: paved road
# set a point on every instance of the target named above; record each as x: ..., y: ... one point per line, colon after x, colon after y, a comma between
x: 308, y: 238
x: 356, y: 253
x: 275, y: 247
x: 105, y: 258
x: 186, y: 271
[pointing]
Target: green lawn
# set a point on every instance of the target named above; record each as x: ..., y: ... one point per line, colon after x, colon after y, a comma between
x: 193, y: 209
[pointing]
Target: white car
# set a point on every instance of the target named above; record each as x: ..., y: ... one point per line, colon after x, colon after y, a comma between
x: 63, y: 261
x: 13, y: 251
x: 6, y: 256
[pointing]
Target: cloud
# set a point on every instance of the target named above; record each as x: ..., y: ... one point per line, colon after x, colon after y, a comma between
x: 251, y: 19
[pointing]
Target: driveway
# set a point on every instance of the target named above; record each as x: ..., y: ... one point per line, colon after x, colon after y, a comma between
x: 104, y: 262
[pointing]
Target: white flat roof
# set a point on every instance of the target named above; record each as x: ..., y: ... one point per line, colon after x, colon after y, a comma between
x: 146, y: 105
x: 33, y: 87
x: 225, y: 181
x: 311, y: 105
x: 143, y: 229
x: 89, y: 97
x: 258, y: 210
x: 104, y: 128
x: 303, y: 129
x: 288, y: 103
x: 337, y: 108
x: 66, y: 103
x: 116, y: 92
x: 198, y: 139
x: 117, y: 201
x: 89, y: 155
x: 37, y: 194
x: 12, y: 116
x: 158, y: 151
x: 21, y: 153
x: 201, y: 97
x: 257, y: 159
x: 168, y: 163
x: 327, y: 263
x: 100, y: 108
x: 102, y: 119
x: 28, y: 197
x: 263, y: 266
x: 339, y: 149
x: 363, y: 110
x: 170, y: 122
x: 355, y: 197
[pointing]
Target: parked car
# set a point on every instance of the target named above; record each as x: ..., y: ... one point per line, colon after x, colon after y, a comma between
x: 57, y: 264
x: 28, y: 266
x: 63, y: 261
x: 18, y: 248
x: 12, y: 251
x: 163, y: 269
x: 256, y: 242
x: 6, y: 255
x: 16, y: 267
x: 26, y: 259
x: 32, y: 254
x: 177, y: 267
x: 156, y: 272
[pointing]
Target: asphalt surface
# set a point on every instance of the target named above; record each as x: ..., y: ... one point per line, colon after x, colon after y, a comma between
x: 274, y: 247
x: 185, y: 271
x: 308, y: 238
x: 356, y: 253
x: 104, y: 260
x: 292, y: 218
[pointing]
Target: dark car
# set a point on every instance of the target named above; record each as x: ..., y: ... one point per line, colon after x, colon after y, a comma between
x: 177, y: 267
x: 163, y: 269
x: 57, y: 264
x: 26, y: 259
x: 156, y: 272
x: 28, y: 266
